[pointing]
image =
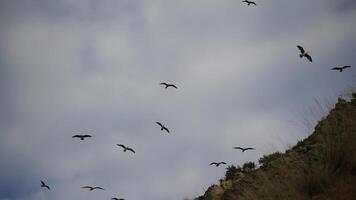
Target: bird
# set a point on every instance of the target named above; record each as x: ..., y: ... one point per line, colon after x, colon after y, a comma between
x: 243, y: 149
x: 126, y: 148
x: 82, y: 137
x: 249, y: 2
x: 93, y: 188
x: 162, y: 127
x: 114, y: 198
x: 168, y: 85
x: 303, y: 53
x: 44, y: 185
x: 340, y: 68
x: 217, y: 163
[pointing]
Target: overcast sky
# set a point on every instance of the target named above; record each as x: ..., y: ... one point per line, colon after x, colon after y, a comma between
x: 94, y: 66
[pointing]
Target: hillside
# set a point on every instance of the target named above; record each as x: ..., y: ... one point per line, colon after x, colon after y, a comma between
x: 322, y: 166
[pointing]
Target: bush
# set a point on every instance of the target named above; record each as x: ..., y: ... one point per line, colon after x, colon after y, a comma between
x: 249, y: 166
x: 267, y: 159
x: 232, y: 172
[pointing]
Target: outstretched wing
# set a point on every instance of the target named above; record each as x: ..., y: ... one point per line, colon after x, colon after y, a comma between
x: 214, y: 163
x: 173, y: 86
x: 238, y: 148
x: 76, y: 136
x: 99, y: 188
x: 308, y: 57
x: 224, y: 163
x: 159, y: 123
x: 87, y: 187
x: 344, y: 67
x: 249, y: 148
x: 336, y: 68
x: 254, y: 3
x: 166, y: 129
x: 121, y: 145
x: 130, y: 149
x: 301, y: 49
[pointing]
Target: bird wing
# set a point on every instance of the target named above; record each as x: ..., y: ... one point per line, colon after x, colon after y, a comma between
x: 159, y: 123
x: 223, y: 163
x: 130, y: 149
x: 89, y: 187
x: 164, y: 128
x: 114, y: 198
x: 84, y: 136
x: 75, y: 136
x: 99, y: 188
x: 121, y: 145
x: 301, y: 49
x: 336, y: 68
x: 43, y: 183
x: 249, y: 148
x: 254, y: 3
x: 239, y: 148
x: 173, y: 86
x: 213, y: 163
x: 309, y: 57
x: 344, y: 67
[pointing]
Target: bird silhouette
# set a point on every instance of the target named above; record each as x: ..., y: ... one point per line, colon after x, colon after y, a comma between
x: 93, y: 188
x: 126, y: 148
x: 44, y: 185
x: 217, y: 163
x: 303, y: 53
x: 243, y: 149
x: 162, y: 127
x: 168, y: 85
x: 249, y: 2
x: 114, y: 198
x: 340, y: 68
x: 82, y: 137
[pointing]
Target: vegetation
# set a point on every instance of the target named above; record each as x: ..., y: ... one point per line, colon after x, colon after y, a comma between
x: 322, y: 166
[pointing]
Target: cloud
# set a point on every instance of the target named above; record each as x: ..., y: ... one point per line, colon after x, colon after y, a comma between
x: 95, y: 67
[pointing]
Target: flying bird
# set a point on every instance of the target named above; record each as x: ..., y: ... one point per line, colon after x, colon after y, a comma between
x: 249, y: 2
x: 340, y: 68
x: 126, y: 148
x: 217, y: 163
x: 162, y: 127
x: 93, y: 188
x: 168, y: 85
x: 114, y: 198
x: 243, y: 149
x: 44, y: 185
x: 82, y: 137
x: 303, y: 53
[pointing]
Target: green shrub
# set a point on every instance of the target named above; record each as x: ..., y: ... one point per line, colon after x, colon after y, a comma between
x: 232, y: 172
x: 249, y: 166
x: 267, y: 159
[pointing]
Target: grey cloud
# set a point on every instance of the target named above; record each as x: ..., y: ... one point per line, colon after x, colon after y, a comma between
x: 92, y: 66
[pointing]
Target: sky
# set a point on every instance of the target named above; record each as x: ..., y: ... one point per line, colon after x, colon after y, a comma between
x: 94, y: 66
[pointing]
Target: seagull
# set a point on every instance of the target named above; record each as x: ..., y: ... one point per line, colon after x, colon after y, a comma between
x: 168, y: 85
x: 114, y: 198
x: 44, y: 185
x: 243, y: 149
x: 162, y: 127
x: 126, y: 148
x: 249, y: 2
x: 340, y: 68
x: 82, y: 137
x: 303, y: 53
x: 93, y: 188
x: 217, y: 163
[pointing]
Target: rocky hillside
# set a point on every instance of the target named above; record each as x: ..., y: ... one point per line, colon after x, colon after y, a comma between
x: 322, y: 166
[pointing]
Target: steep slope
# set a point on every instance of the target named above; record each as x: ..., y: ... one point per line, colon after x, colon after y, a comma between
x: 322, y: 166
